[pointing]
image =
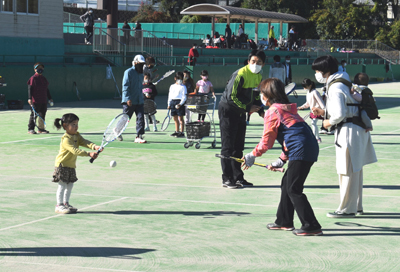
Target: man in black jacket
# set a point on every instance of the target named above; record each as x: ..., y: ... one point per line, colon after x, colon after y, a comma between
x: 238, y: 99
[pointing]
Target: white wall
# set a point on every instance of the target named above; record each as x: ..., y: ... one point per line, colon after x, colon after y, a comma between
x: 47, y: 24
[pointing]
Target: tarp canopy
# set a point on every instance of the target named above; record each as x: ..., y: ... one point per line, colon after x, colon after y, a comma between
x: 242, y: 13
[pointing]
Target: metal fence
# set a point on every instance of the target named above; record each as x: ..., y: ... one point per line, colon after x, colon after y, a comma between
x: 113, y: 41
x: 360, y: 46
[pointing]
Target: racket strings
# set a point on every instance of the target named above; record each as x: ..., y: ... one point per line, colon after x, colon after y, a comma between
x: 115, y: 128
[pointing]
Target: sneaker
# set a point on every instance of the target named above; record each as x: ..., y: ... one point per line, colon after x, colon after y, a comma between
x: 360, y: 212
x: 119, y: 138
x: 155, y: 129
x: 86, y: 40
x: 70, y: 207
x: 300, y: 232
x: 319, y: 140
x: 140, y: 140
x: 273, y: 226
x: 43, y: 131
x: 330, y: 133
x: 228, y: 184
x: 62, y: 209
x: 31, y: 131
x: 323, y: 131
x: 180, y: 134
x: 340, y: 215
x: 174, y: 134
x: 88, y: 43
x: 244, y: 183
x: 147, y: 129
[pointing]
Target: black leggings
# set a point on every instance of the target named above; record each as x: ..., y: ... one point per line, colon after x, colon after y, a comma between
x: 89, y: 32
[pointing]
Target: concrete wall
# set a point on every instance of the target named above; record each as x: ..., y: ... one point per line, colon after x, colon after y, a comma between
x: 47, y: 24
x: 92, y: 82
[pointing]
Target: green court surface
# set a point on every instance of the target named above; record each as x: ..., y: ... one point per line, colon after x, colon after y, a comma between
x: 163, y: 207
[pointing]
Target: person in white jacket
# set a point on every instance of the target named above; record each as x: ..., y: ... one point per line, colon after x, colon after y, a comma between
x: 277, y: 69
x: 354, y: 147
x: 314, y: 99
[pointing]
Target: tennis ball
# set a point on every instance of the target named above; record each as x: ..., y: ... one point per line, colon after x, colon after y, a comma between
x: 51, y: 104
x: 113, y: 163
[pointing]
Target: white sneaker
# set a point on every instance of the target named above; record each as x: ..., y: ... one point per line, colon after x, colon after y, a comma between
x: 155, y: 129
x: 70, y: 207
x: 147, y: 129
x: 140, y: 140
x: 62, y: 209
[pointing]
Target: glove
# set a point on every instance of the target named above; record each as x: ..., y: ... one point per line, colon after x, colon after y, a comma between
x: 249, y: 159
x: 279, y: 163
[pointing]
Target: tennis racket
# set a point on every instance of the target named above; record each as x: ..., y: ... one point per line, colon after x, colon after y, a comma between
x: 39, y: 121
x: 76, y: 91
x: 114, y: 129
x: 167, y: 74
x: 240, y: 160
x: 166, y: 121
x: 306, y: 116
x: 290, y: 88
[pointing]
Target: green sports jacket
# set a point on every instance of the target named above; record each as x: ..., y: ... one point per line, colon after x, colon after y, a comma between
x: 239, y: 90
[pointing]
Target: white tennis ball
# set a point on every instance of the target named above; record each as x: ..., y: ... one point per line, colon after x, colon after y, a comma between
x: 51, y: 104
x: 113, y: 163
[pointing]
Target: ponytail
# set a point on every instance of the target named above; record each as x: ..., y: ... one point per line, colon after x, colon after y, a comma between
x: 57, y: 123
x: 65, y: 119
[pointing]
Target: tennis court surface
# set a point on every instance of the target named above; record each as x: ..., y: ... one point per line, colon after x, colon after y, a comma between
x: 162, y: 208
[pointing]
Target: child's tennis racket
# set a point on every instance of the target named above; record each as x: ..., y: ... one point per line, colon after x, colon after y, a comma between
x: 240, y: 160
x: 114, y: 129
x: 39, y: 121
x: 76, y: 91
x: 306, y: 116
x: 290, y: 88
x: 165, y: 123
x: 167, y: 74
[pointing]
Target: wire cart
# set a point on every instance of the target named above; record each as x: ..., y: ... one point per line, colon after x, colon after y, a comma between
x: 197, y: 131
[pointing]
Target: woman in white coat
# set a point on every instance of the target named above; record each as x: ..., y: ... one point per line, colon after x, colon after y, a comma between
x: 354, y: 147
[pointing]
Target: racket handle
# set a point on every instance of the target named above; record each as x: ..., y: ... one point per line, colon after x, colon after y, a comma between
x: 91, y: 160
x: 276, y: 169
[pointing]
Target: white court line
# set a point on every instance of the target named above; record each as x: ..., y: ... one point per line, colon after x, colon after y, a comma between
x: 46, y: 218
x: 83, y: 268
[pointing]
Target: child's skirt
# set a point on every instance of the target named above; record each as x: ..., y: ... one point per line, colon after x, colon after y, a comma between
x: 64, y: 174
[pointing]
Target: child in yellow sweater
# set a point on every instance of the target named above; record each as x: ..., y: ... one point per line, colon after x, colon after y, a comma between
x: 64, y: 173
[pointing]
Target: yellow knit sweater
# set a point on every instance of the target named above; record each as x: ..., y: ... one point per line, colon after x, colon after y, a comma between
x: 69, y: 149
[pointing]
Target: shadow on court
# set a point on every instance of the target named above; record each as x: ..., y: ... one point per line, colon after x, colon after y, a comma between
x: 108, y: 252
x: 205, y: 213
x: 363, y: 230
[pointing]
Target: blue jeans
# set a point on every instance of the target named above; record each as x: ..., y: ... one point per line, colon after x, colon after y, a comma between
x: 139, y: 111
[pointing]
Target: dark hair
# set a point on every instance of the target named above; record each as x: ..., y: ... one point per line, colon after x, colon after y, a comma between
x: 258, y: 53
x: 37, y: 64
x: 277, y: 58
x: 245, y: 62
x: 126, y: 21
x: 67, y: 118
x: 307, y: 83
x: 178, y: 75
x: 274, y: 90
x: 325, y: 64
x: 204, y: 73
x: 361, y: 79
x: 150, y: 60
x: 195, y: 44
x: 287, y: 57
x: 343, y: 61
x: 146, y: 74
x: 186, y: 72
x: 227, y: 25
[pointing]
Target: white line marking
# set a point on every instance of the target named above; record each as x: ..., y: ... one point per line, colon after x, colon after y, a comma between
x: 83, y: 268
x: 46, y: 218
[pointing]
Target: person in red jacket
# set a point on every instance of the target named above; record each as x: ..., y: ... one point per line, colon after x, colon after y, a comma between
x: 193, y: 54
x: 38, y: 94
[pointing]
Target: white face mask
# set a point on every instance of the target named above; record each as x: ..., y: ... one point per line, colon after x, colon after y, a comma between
x: 320, y: 78
x: 262, y: 100
x: 288, y: 61
x: 145, y: 81
x: 345, y: 64
x: 179, y: 81
x: 254, y: 68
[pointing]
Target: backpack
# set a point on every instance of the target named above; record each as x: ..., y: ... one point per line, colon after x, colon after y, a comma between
x: 367, y: 103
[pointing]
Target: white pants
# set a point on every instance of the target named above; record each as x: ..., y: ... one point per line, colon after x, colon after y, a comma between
x: 146, y: 121
x: 314, y: 128
x: 351, y: 186
x: 188, y: 115
x: 64, y: 192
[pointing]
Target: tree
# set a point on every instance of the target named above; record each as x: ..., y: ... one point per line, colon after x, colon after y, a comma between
x: 147, y: 14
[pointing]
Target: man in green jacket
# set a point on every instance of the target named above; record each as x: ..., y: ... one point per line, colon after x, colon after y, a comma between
x: 238, y: 99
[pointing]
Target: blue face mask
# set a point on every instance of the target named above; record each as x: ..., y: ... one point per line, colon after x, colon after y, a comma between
x: 40, y: 71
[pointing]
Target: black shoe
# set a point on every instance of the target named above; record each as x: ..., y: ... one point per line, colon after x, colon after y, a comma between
x: 300, y: 232
x: 228, y: 184
x: 174, y: 134
x: 360, y: 212
x: 180, y: 134
x: 244, y: 183
x: 273, y: 226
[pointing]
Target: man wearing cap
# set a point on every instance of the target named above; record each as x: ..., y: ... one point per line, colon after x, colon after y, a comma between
x: 132, y: 97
